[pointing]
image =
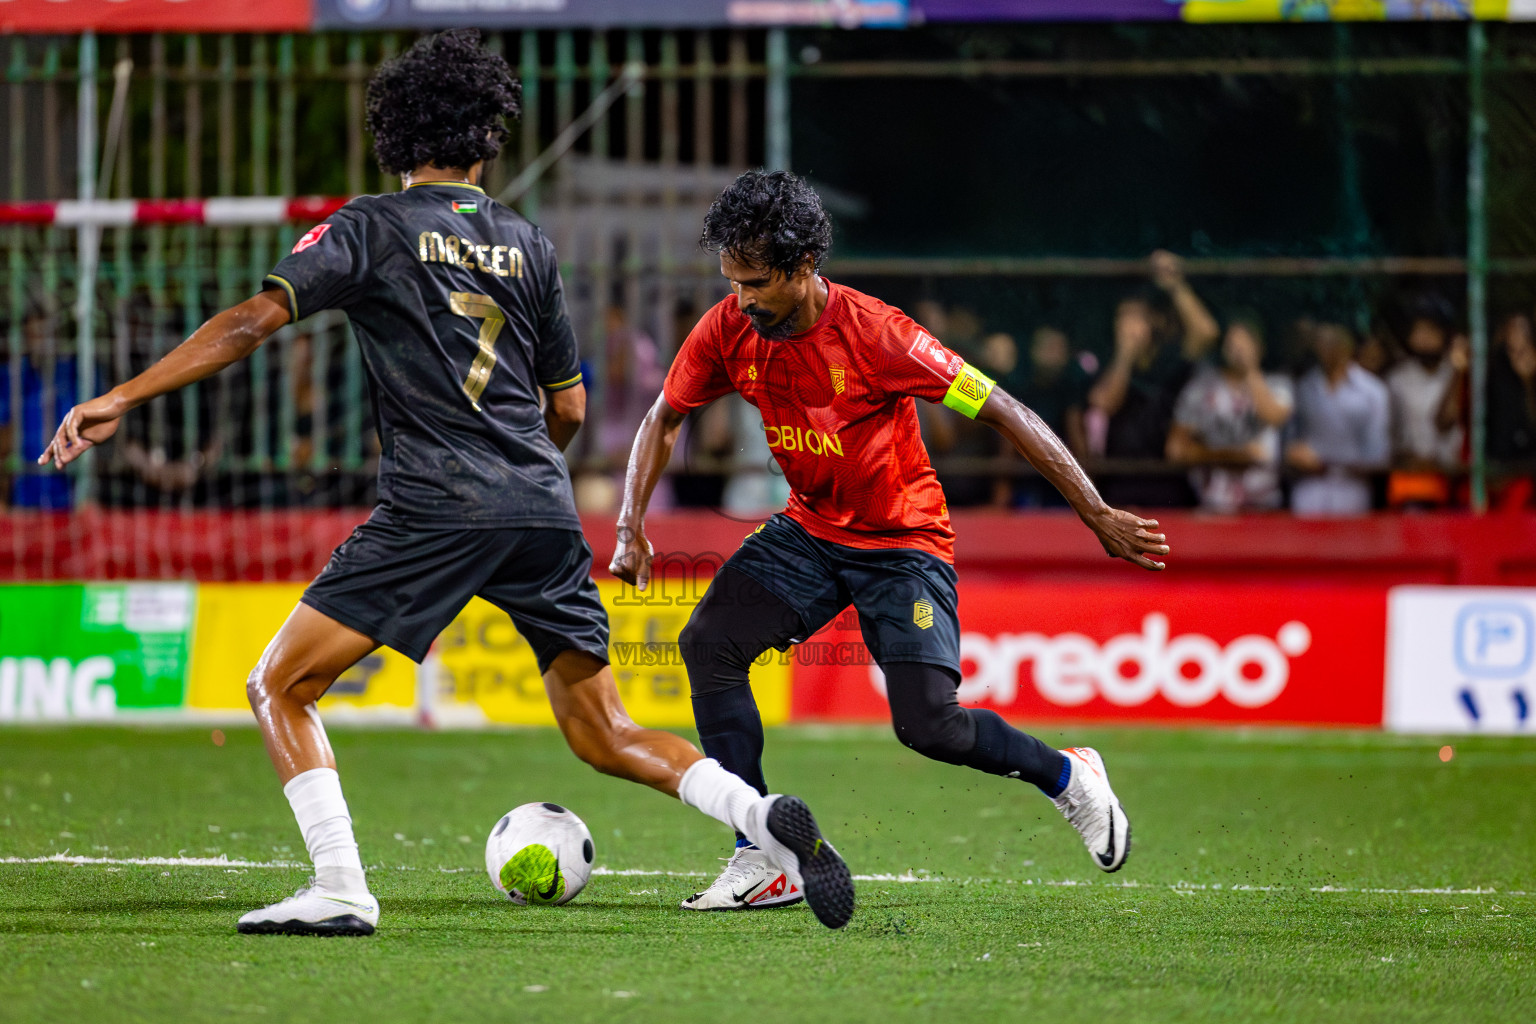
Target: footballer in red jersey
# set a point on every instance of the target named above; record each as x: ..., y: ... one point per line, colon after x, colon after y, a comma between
x: 836, y: 403
x: 835, y: 374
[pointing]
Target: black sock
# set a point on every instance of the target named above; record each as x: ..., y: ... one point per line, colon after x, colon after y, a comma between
x: 1003, y: 750
x: 928, y: 718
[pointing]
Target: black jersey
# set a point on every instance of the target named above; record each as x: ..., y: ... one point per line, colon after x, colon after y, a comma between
x: 457, y: 303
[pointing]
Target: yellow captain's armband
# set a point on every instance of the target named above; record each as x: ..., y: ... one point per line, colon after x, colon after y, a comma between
x: 969, y: 391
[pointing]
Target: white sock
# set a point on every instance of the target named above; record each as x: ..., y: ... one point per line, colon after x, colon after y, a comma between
x: 321, y: 810
x: 726, y: 798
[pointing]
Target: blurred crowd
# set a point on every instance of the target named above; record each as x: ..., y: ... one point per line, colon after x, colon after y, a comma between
x: 1179, y: 407
x: 1185, y: 409
x: 1189, y: 409
x: 1192, y: 410
x: 264, y: 433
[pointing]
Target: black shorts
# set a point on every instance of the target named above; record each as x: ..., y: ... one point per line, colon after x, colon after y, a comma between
x: 906, y: 600
x: 402, y: 587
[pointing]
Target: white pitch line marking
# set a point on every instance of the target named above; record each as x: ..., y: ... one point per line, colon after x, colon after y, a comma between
x: 906, y: 877
x: 155, y: 862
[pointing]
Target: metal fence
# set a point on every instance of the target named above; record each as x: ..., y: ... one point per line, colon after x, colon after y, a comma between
x: 160, y: 116
x: 149, y: 117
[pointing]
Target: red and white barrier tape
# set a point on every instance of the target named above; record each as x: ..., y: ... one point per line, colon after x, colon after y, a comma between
x: 232, y: 211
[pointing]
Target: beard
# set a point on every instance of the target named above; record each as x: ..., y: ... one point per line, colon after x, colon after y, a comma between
x: 775, y: 332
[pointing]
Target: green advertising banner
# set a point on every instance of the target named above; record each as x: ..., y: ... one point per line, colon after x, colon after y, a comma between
x: 88, y: 651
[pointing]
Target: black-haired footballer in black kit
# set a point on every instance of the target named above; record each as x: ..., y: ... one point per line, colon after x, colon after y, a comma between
x: 457, y: 304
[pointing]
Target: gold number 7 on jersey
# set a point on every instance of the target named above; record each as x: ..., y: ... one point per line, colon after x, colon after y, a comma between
x: 482, y: 308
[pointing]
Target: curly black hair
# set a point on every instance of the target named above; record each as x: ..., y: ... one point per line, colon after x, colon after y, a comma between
x: 770, y: 219
x: 442, y: 103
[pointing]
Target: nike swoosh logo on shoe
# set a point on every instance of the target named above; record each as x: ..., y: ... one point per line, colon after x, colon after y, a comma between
x: 1087, y: 762
x: 752, y: 890
x: 365, y: 907
x: 1108, y: 857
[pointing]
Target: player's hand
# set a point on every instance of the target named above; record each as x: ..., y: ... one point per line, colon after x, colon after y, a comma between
x: 632, y: 557
x: 1131, y: 344
x: 1460, y: 354
x: 1167, y: 269
x: 1523, y: 358
x: 85, y: 426
x: 1130, y: 537
x: 1303, y: 458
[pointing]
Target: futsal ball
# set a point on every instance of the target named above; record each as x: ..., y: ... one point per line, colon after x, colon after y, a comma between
x: 539, y: 854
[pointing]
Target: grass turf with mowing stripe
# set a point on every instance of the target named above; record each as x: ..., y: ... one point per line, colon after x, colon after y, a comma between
x: 1002, y: 933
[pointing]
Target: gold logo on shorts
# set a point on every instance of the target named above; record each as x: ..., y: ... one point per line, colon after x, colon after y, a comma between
x: 839, y: 381
x: 922, y: 614
x: 751, y: 373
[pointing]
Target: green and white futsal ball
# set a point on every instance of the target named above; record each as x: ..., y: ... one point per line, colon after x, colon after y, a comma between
x: 539, y: 854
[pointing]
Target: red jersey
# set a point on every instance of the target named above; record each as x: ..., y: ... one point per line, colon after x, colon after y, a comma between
x: 837, y: 411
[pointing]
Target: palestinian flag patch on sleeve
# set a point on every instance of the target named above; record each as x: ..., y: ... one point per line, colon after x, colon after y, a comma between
x: 465, y: 206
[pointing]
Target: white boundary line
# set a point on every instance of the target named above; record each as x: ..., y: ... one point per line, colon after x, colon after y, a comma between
x: 907, y: 877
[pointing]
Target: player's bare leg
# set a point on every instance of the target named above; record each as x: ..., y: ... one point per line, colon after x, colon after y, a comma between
x: 308, y: 654
x: 600, y: 732
x: 591, y: 715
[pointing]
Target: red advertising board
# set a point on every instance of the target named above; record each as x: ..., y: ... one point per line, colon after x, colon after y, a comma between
x: 1194, y: 652
x: 155, y: 16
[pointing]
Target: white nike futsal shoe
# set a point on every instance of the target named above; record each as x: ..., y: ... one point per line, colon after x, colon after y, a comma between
x: 750, y: 881
x: 314, y: 911
x: 1094, y: 810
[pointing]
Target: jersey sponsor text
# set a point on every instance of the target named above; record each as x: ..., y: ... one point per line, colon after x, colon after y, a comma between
x: 799, y: 439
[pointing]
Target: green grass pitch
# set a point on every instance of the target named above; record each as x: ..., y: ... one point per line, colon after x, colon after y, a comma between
x: 1276, y: 875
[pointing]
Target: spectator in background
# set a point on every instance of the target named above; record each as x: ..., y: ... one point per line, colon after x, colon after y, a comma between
x: 1427, y: 435
x: 1377, y: 353
x: 1512, y: 409
x: 963, y: 331
x: 708, y: 437
x: 1227, y: 423
x: 310, y: 385
x: 37, y: 387
x: 958, y: 437
x: 632, y: 375
x: 1055, y: 385
x: 1158, y: 341
x: 1341, y: 429
x: 309, y: 433
x: 169, y: 452
x: 931, y: 315
x: 999, y: 359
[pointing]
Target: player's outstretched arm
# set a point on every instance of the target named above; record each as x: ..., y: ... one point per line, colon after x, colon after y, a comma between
x: 1123, y: 535
x: 226, y: 338
x: 647, y: 459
